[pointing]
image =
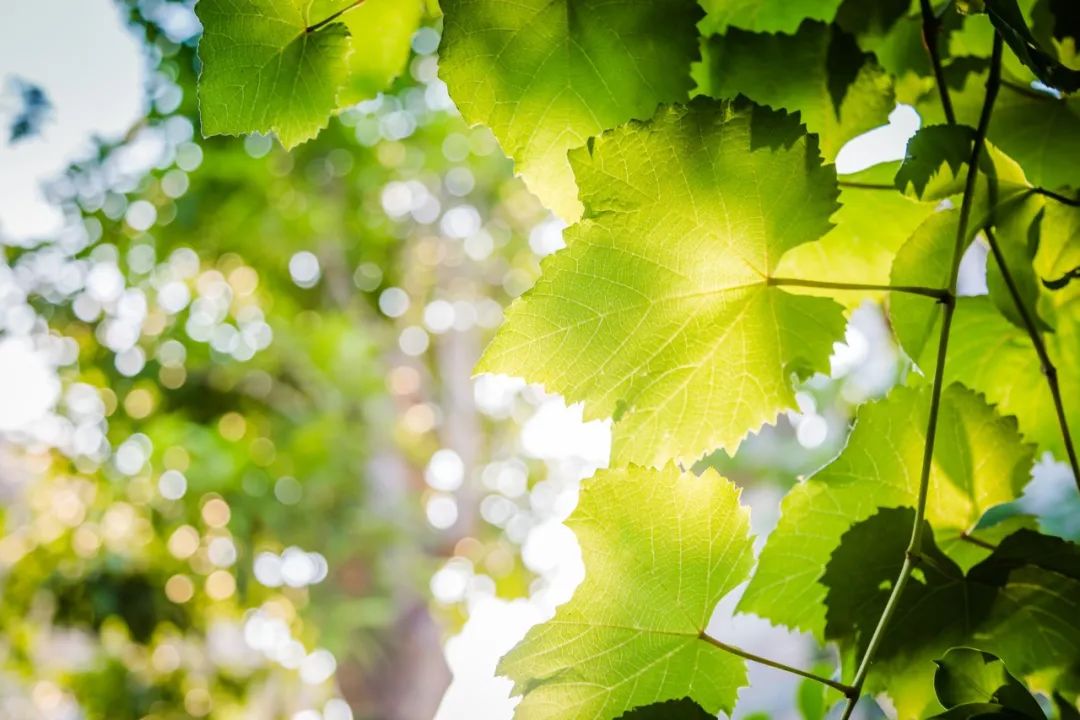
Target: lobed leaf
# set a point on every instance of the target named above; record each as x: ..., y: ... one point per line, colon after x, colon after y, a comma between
x: 547, y: 75
x: 819, y: 72
x: 661, y: 548
x: 873, y: 222
x: 1030, y: 580
x: 979, y: 462
x: 770, y: 16
x: 966, y: 675
x: 264, y: 71
x: 277, y: 67
x: 659, y: 311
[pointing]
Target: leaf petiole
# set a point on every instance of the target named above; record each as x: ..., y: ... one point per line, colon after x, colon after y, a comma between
x: 326, y: 21
x: 1048, y: 368
x: 939, y: 294
x: 847, y: 690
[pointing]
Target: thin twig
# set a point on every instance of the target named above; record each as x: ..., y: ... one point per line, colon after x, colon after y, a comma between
x: 913, y: 554
x: 1063, y: 199
x: 326, y: 21
x: 847, y: 690
x: 866, y: 185
x: 1027, y: 91
x: 968, y: 537
x: 1047, y: 365
x: 940, y: 294
x: 931, y: 30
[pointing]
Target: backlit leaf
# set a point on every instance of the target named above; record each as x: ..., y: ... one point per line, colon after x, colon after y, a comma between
x: 661, y: 548
x: 979, y: 462
x: 545, y: 76
x: 659, y: 311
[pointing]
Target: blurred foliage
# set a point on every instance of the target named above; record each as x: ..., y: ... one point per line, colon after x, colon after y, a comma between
x: 223, y: 516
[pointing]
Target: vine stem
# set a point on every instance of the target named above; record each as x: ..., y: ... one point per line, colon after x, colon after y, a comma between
x: 936, y: 293
x: 931, y: 29
x: 865, y: 185
x: 1063, y: 199
x: 1048, y: 368
x: 968, y: 537
x: 847, y: 690
x: 913, y: 554
x: 326, y: 21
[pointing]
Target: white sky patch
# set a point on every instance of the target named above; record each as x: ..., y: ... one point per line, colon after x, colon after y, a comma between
x: 28, y: 384
x: 99, y: 94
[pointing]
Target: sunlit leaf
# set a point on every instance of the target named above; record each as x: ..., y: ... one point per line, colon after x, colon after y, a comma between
x: 838, y: 91
x: 979, y: 462
x: 873, y: 221
x: 545, y: 76
x: 967, y: 675
x: 659, y: 311
x: 661, y: 548
x: 265, y: 71
x: 1028, y: 576
x: 764, y: 15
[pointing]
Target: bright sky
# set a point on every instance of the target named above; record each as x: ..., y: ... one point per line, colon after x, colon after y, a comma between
x: 93, y: 71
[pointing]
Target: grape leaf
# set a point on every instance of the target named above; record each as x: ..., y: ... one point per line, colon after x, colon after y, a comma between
x: 1001, y: 198
x: 263, y: 71
x: 924, y: 260
x: 381, y: 32
x: 1017, y: 236
x: 838, y: 91
x: 546, y: 75
x: 871, y: 225
x: 892, y: 31
x: 966, y: 675
x: 1010, y: 22
x: 280, y: 67
x: 936, y: 158
x: 661, y: 548
x: 1058, y: 255
x: 1066, y: 708
x: 997, y: 358
x: 979, y: 462
x: 659, y: 311
x: 684, y: 709
x: 1039, y: 131
x: 770, y: 16
x: 1030, y: 580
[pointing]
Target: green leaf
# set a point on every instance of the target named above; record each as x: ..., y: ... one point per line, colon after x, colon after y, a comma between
x: 263, y: 71
x: 1066, y: 709
x: 935, y: 162
x: 924, y: 260
x: 381, y: 33
x: 659, y: 311
x: 966, y: 675
x: 1010, y: 22
x: 546, y: 75
x: 770, y: 16
x: 1058, y: 256
x: 966, y: 554
x: 684, y: 709
x: 979, y: 462
x: 871, y: 225
x: 892, y: 31
x: 661, y: 548
x: 1017, y: 236
x: 996, y: 358
x: 1037, y: 130
x: 1029, y: 581
x: 837, y: 90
